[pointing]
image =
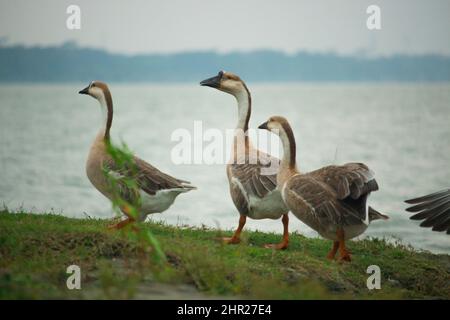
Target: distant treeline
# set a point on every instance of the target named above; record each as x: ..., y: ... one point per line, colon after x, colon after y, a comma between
x: 69, y: 62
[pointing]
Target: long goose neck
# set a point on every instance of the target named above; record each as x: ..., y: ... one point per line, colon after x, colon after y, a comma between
x: 107, y: 108
x: 244, y: 101
x: 241, y: 145
x: 289, y: 149
x: 288, y: 167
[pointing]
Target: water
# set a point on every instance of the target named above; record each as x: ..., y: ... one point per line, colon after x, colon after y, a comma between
x: 400, y: 130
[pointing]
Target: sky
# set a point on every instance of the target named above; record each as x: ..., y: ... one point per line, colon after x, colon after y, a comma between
x: 135, y: 27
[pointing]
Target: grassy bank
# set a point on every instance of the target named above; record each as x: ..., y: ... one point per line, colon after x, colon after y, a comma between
x: 35, y: 251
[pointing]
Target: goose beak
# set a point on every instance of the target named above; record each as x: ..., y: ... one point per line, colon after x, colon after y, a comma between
x: 264, y: 126
x: 213, y: 82
x: 84, y: 91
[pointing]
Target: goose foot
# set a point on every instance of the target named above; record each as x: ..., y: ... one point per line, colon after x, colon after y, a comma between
x: 332, y: 253
x: 345, y: 257
x: 236, y: 238
x: 285, y: 242
x: 232, y: 240
x: 277, y: 246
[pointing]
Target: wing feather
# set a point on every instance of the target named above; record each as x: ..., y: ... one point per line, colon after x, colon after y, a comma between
x: 147, y: 177
x: 433, y: 209
x: 320, y: 203
x: 351, y: 179
x: 250, y: 174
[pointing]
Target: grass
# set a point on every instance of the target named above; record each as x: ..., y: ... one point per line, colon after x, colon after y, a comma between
x: 36, y: 249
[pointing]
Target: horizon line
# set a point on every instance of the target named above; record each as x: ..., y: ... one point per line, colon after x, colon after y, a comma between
x: 361, y: 53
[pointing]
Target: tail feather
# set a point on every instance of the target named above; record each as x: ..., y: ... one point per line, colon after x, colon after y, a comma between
x: 375, y: 215
x: 187, y: 187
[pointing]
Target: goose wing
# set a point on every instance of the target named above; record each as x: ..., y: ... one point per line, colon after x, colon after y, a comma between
x: 433, y: 209
x: 305, y: 194
x: 255, y: 177
x: 351, y: 180
x: 147, y: 177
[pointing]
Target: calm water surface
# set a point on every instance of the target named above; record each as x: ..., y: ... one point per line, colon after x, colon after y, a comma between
x: 400, y: 130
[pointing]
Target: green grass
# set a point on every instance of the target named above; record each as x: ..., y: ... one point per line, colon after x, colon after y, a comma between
x: 36, y: 249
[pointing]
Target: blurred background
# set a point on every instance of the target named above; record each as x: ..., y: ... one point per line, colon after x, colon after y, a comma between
x: 351, y: 94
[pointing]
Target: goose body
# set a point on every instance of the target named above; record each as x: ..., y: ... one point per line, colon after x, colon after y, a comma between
x: 253, y: 193
x: 157, y: 190
x: 252, y: 184
x: 433, y: 209
x: 331, y: 200
x: 320, y: 200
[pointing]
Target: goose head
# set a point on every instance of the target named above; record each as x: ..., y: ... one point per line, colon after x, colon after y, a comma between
x: 226, y: 82
x: 98, y: 90
x: 277, y: 125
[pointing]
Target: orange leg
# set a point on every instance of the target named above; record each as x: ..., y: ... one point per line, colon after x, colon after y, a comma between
x: 333, y: 251
x: 344, y: 253
x: 236, y: 238
x: 125, y: 222
x: 285, y: 242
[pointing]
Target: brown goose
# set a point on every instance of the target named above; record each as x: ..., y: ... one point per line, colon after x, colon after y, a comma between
x: 331, y: 200
x: 157, y: 190
x: 434, y: 209
x: 251, y: 173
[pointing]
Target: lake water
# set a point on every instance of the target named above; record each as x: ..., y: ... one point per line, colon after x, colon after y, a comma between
x: 400, y: 130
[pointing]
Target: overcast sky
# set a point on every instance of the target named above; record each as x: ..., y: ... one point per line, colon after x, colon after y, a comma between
x: 408, y: 26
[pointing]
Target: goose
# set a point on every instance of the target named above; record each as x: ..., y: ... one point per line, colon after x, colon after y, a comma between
x: 331, y: 200
x: 157, y: 190
x: 252, y: 184
x: 434, y: 209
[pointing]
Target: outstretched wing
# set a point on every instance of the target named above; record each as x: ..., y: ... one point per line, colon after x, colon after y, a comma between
x: 351, y: 180
x: 434, y: 209
x: 257, y: 177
